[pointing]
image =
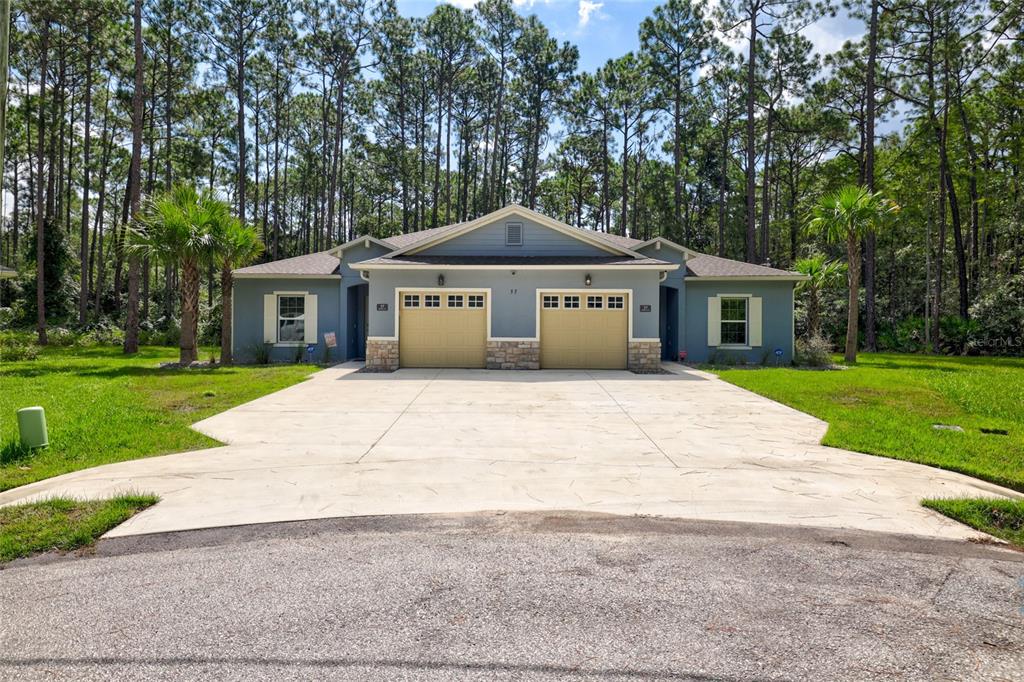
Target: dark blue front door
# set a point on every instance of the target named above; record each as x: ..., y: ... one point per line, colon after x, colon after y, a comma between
x: 668, y: 322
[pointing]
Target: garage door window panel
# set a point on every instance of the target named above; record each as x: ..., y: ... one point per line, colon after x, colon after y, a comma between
x: 411, y: 301
x: 550, y: 302
x: 595, y: 302
x: 571, y: 302
x: 476, y: 300
x: 432, y: 301
x: 456, y: 301
x: 734, y: 321
x: 291, y: 319
x: 616, y: 302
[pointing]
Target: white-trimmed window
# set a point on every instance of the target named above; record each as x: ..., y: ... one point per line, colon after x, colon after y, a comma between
x: 431, y: 300
x: 411, y: 300
x: 291, y: 319
x: 476, y: 300
x: 456, y: 301
x: 616, y: 302
x: 513, y: 234
x: 595, y: 302
x: 571, y: 302
x: 550, y: 301
x: 734, y: 321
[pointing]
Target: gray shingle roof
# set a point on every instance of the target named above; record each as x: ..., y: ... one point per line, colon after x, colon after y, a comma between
x: 512, y: 261
x: 322, y: 263
x: 400, y: 241
x: 703, y: 265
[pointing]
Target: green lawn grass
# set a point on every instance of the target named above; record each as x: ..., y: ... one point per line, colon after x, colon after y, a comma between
x: 102, y: 406
x: 887, y: 404
x: 1001, y: 518
x: 62, y: 524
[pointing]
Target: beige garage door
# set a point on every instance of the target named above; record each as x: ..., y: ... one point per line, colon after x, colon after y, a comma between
x: 441, y: 329
x: 583, y: 331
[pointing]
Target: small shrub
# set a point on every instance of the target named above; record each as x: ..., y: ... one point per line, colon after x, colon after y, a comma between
x: 260, y: 353
x: 813, y: 351
x: 102, y: 333
x: 7, y: 317
x: 955, y: 333
x: 15, y: 347
x: 61, y: 336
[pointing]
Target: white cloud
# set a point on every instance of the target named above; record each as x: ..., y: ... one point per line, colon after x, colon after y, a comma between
x: 462, y: 4
x: 588, y: 7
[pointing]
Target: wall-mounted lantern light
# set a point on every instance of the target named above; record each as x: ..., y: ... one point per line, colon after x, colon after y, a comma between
x: 587, y: 280
x: 440, y: 280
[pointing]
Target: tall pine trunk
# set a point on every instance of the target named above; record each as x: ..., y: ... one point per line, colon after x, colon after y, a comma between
x: 131, y: 332
x: 44, y: 50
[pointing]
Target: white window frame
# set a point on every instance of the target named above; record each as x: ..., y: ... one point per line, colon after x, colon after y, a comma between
x: 456, y: 301
x: 571, y: 301
x: 475, y: 301
x: 616, y: 302
x: 432, y: 300
x: 595, y: 302
x: 722, y: 322
x: 551, y: 301
x: 410, y: 300
x: 291, y: 342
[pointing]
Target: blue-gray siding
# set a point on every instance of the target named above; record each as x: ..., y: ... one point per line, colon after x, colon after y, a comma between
x: 776, y: 323
x: 248, y: 315
x: 514, y: 297
x: 538, y: 240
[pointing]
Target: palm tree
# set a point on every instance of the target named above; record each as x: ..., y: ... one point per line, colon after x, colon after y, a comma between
x: 236, y: 246
x: 821, y: 275
x: 848, y: 216
x: 178, y: 228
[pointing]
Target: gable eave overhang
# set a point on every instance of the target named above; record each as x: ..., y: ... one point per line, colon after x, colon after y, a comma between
x: 573, y: 266
x: 365, y: 240
x: 658, y: 242
x: 747, y: 278
x: 522, y: 211
x: 280, y: 275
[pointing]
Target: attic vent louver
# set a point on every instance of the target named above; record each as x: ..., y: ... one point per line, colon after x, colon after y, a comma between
x: 513, y: 234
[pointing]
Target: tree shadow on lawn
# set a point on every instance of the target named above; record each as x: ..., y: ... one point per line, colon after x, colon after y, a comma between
x: 959, y: 363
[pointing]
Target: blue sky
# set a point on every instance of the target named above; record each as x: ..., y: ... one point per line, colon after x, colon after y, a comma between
x: 606, y: 29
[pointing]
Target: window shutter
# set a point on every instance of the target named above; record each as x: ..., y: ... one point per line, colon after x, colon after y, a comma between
x: 714, y: 321
x: 269, y: 318
x: 755, y: 321
x: 310, y: 315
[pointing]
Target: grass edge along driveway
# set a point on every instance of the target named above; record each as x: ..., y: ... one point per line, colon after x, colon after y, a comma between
x: 63, y: 524
x: 103, y: 407
x: 888, y: 404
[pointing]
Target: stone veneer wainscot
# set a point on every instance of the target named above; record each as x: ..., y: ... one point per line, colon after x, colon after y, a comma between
x: 513, y: 355
x: 644, y: 356
x: 381, y: 355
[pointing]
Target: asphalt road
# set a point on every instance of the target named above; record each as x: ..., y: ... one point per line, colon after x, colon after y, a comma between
x: 509, y: 597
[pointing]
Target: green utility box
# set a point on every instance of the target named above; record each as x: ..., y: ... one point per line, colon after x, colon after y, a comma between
x: 32, y: 427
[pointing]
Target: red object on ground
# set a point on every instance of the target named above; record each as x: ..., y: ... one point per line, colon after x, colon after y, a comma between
x: 682, y: 356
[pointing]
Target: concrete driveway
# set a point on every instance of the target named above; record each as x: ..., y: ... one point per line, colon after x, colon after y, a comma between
x: 686, y: 444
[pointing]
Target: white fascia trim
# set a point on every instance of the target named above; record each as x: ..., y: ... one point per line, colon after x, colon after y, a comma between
x: 290, y: 293
x: 418, y: 266
x: 755, y: 278
x: 522, y: 211
x: 365, y: 240
x: 283, y: 276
